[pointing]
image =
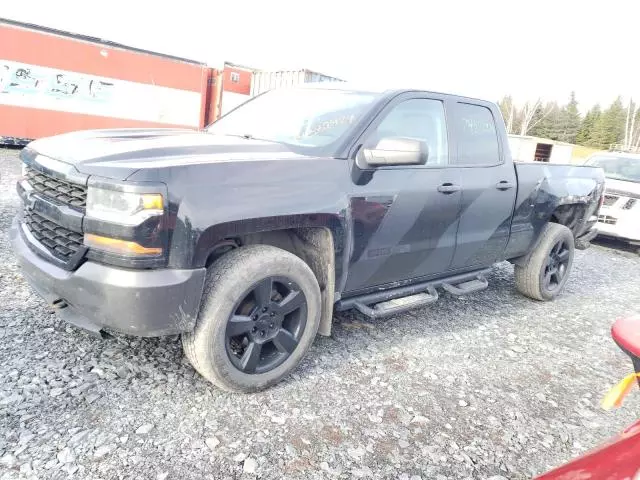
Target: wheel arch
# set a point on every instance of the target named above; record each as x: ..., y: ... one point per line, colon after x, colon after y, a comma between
x: 317, y: 240
x: 571, y: 215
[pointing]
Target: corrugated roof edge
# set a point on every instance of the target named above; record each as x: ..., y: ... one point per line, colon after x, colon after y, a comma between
x: 101, y: 41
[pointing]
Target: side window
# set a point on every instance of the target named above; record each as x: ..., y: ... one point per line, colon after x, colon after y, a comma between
x: 419, y: 118
x: 476, y: 135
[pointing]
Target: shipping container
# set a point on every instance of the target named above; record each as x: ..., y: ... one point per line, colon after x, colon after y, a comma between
x: 535, y: 149
x: 264, y: 80
x: 54, y: 82
x: 236, y: 86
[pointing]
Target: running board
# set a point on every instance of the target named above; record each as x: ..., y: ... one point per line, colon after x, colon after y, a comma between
x: 401, y: 299
x: 398, y: 305
x: 471, y: 286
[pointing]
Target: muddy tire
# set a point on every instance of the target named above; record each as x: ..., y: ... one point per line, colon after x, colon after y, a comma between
x: 545, y: 271
x: 259, y: 315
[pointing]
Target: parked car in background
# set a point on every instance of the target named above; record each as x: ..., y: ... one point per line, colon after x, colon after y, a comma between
x: 619, y: 216
x: 246, y: 236
x: 618, y: 459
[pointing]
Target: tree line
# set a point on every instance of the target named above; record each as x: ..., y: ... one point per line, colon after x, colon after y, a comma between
x: 619, y: 123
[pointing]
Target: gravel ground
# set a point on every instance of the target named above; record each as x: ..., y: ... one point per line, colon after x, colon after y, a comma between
x: 488, y: 386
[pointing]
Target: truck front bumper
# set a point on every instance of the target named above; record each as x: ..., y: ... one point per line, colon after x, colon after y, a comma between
x: 146, y: 303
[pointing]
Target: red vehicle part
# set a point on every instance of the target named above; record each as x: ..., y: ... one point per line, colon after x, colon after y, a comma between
x: 619, y: 459
x: 626, y: 333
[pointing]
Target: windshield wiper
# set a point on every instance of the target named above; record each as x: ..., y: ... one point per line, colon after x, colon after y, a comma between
x: 246, y: 136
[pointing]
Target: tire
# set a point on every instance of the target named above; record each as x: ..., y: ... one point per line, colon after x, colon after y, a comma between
x: 531, y: 276
x: 232, y: 288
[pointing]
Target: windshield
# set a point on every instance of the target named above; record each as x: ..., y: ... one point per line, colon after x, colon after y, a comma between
x: 619, y: 168
x: 309, y: 118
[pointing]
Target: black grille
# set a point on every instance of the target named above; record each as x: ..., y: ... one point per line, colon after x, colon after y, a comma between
x: 59, y: 241
x: 610, y: 200
x: 61, y: 191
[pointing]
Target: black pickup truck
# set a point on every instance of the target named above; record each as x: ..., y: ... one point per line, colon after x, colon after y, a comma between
x: 246, y: 237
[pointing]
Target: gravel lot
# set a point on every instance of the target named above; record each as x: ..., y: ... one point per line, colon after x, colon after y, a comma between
x: 488, y: 386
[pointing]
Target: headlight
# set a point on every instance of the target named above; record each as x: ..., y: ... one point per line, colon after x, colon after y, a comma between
x: 124, y: 208
x: 120, y: 247
x: 115, y: 221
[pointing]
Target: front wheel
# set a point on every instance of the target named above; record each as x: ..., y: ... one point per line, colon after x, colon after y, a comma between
x: 545, y: 271
x: 259, y: 315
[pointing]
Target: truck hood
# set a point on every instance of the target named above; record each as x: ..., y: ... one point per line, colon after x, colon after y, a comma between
x: 620, y: 186
x: 118, y: 153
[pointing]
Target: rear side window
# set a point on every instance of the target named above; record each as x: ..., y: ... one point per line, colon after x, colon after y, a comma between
x: 476, y: 135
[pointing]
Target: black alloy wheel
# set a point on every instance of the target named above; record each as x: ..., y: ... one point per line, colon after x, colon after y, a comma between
x: 266, y: 325
x: 557, y: 266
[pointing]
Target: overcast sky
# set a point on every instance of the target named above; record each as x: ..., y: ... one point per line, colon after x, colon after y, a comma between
x: 482, y: 48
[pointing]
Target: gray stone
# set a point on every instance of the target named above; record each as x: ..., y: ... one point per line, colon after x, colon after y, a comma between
x: 79, y: 437
x: 240, y: 457
x: 278, y: 420
x: 145, y: 429
x: 356, y: 453
x: 212, y: 442
x: 9, y: 461
x: 419, y: 419
x: 66, y: 455
x: 104, y: 450
x: 11, y: 399
x: 250, y: 465
x: 56, y: 392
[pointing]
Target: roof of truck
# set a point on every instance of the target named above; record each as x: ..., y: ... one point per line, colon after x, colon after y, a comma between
x: 375, y: 88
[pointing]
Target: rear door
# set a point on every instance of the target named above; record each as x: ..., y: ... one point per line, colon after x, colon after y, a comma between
x: 488, y: 182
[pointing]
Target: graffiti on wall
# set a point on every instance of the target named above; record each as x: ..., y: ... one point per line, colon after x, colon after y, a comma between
x: 25, y: 79
x: 35, y: 86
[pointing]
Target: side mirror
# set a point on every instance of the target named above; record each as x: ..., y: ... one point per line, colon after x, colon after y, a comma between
x: 394, y: 151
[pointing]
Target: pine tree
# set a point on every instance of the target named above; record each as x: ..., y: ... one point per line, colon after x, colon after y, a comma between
x: 609, y: 128
x: 585, y: 135
x: 549, y: 125
x: 569, y: 121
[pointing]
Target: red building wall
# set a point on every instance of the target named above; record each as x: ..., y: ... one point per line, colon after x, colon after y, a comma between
x: 237, y: 80
x: 53, y: 82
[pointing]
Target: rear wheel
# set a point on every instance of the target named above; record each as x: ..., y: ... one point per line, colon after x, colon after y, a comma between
x: 259, y: 316
x: 545, y: 271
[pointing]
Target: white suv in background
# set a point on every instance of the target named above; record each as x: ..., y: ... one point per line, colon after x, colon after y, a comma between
x: 620, y: 213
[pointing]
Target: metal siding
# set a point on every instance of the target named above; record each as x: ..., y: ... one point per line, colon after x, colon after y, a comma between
x: 269, y: 80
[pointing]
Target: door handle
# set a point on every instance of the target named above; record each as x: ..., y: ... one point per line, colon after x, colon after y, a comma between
x: 448, y: 188
x: 504, y: 185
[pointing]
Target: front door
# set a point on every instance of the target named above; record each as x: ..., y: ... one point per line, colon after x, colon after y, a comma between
x: 405, y: 217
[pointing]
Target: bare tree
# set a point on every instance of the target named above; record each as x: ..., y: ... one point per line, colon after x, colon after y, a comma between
x: 626, y: 126
x: 511, y: 118
x: 529, y: 117
x: 630, y: 126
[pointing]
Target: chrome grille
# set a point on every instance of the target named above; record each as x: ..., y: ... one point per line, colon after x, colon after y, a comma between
x: 609, y: 220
